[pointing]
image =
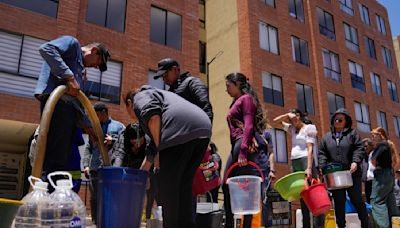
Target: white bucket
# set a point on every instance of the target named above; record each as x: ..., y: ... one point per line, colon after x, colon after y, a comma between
x: 245, y: 194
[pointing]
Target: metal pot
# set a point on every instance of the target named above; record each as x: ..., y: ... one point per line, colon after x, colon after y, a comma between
x: 339, y: 180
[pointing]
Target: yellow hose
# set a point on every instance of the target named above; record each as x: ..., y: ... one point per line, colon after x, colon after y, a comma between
x: 45, y: 124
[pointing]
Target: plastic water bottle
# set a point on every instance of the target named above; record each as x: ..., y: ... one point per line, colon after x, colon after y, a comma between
x: 67, y: 206
x: 35, y: 203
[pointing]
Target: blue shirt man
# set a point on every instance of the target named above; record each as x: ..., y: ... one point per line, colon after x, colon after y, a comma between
x: 65, y: 62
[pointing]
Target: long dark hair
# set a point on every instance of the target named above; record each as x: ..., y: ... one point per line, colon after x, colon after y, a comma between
x: 132, y: 131
x: 245, y: 87
x: 303, y: 117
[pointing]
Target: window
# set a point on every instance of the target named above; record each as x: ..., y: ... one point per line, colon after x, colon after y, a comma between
x: 347, y: 6
x: 165, y: 28
x: 326, y: 25
x: 362, y: 117
x: 107, y: 13
x: 376, y: 84
x: 296, y: 9
x: 279, y: 144
x: 45, y: 7
x: 356, y: 75
x: 334, y: 103
x: 202, y: 56
x: 392, y: 91
x: 305, y: 101
x: 370, y: 46
x: 300, y: 50
x: 381, y: 118
x: 396, y: 122
x: 20, y: 63
x: 380, y: 23
x: 351, y: 38
x: 268, y: 38
x: 272, y: 89
x: 364, y: 13
x: 202, y: 14
x: 387, y: 57
x: 156, y: 83
x: 331, y: 65
x: 269, y: 2
x: 104, y: 86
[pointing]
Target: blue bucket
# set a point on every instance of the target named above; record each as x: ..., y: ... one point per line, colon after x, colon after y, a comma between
x: 121, y: 193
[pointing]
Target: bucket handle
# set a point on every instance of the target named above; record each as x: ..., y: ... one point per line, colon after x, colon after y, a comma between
x: 32, y: 178
x: 62, y: 173
x: 314, y: 181
x: 248, y: 163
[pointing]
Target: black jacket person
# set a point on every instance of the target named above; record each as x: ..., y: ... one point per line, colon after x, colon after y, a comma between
x: 343, y: 145
x: 185, y: 85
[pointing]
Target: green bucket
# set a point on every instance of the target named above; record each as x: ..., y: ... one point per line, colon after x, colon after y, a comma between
x: 291, y: 185
x: 8, y: 209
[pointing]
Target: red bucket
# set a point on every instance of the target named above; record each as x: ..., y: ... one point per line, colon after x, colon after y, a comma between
x: 316, y: 197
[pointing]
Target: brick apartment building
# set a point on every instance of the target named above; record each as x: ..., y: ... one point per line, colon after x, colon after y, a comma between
x: 313, y: 55
x: 138, y: 34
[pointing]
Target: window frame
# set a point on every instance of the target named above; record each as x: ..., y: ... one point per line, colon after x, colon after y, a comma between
x: 362, y: 122
x: 106, y: 22
x: 355, y: 78
x: 20, y: 6
x: 100, y: 97
x: 371, y: 51
x: 392, y: 88
x: 278, y: 159
x: 381, y: 122
x: 268, y: 28
x: 324, y: 29
x: 375, y: 88
x: 347, y: 7
x: 387, y: 57
x: 335, y: 98
x: 364, y: 14
x: 268, y: 3
x: 330, y: 69
x: 396, y: 123
x: 296, y: 12
x: 352, y: 42
x: 306, y: 98
x: 165, y: 41
x: 299, y: 48
x: 380, y: 24
x: 271, y: 76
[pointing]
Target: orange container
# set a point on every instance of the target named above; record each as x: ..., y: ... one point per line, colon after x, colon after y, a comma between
x: 316, y: 197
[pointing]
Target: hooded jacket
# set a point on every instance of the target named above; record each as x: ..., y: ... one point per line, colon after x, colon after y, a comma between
x: 193, y: 90
x: 345, y: 149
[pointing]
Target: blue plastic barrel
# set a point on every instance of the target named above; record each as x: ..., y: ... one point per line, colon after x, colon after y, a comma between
x: 121, y: 193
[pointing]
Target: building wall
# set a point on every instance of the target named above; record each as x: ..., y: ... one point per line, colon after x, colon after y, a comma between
x: 396, y: 45
x: 133, y: 47
x: 253, y: 60
x: 222, y: 35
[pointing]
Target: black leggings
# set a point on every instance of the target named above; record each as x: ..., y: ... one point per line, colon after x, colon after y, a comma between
x: 246, y: 170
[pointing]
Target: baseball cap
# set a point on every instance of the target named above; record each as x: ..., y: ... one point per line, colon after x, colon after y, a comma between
x: 105, y: 55
x: 100, y: 106
x: 164, y: 65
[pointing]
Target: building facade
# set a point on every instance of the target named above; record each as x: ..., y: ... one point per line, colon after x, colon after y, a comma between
x: 396, y: 44
x: 315, y: 55
x: 138, y: 34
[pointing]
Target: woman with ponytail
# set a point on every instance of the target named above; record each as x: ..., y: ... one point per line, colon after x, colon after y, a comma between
x: 245, y: 117
x: 384, y: 158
